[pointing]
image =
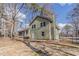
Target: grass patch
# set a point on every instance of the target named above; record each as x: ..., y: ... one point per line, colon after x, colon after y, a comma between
x: 35, y: 54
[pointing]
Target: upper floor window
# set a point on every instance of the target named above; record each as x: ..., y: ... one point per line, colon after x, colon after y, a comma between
x: 42, y: 24
x: 34, y: 26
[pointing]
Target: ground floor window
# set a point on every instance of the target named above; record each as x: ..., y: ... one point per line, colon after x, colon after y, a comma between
x: 43, y: 33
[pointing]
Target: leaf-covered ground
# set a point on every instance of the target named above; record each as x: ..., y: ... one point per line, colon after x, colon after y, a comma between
x: 10, y: 47
x: 14, y: 48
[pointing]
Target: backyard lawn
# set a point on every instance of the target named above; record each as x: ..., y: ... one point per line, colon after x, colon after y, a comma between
x: 10, y: 47
x: 14, y: 48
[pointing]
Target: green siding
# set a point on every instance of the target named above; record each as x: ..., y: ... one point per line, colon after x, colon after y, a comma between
x: 56, y: 35
x: 36, y: 33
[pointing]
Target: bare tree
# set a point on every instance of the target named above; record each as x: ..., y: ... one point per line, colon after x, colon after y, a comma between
x: 9, y: 13
x: 67, y: 30
x: 74, y: 16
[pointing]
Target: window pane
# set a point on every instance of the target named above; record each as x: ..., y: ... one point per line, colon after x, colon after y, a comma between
x: 43, y: 33
x: 44, y: 24
x: 40, y: 24
x: 34, y: 26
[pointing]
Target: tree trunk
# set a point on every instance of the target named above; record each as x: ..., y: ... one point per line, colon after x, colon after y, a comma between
x: 12, y: 30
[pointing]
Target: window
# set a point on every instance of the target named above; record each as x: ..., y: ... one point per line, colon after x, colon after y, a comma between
x: 42, y: 24
x: 78, y: 31
x: 43, y: 33
x: 34, y: 26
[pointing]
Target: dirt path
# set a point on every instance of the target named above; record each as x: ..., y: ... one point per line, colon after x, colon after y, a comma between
x: 14, y: 48
x: 55, y: 49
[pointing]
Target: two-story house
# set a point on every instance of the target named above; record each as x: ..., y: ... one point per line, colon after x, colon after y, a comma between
x: 43, y: 28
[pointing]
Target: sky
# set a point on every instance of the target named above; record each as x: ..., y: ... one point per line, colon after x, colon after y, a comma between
x: 61, y: 13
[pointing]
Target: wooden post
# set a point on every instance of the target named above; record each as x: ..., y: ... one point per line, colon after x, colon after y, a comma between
x: 25, y: 33
x: 29, y: 36
x: 3, y: 27
x: 4, y: 30
x: 11, y: 31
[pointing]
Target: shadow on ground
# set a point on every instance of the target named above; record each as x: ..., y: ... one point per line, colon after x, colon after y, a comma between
x: 40, y: 52
x: 37, y: 50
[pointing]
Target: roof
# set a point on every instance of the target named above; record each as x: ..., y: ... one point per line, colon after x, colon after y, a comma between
x: 23, y: 30
x: 42, y: 18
